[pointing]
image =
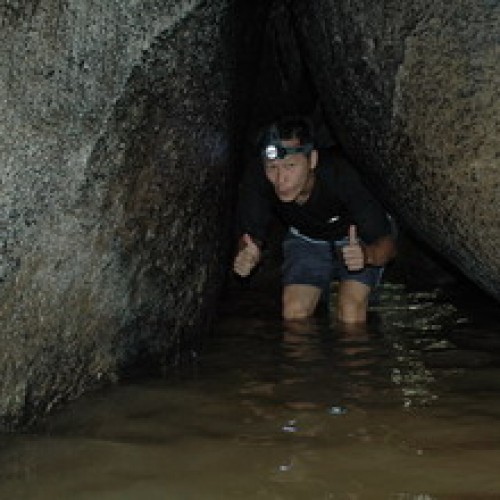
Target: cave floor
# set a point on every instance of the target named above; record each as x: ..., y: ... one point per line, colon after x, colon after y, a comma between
x: 406, y: 408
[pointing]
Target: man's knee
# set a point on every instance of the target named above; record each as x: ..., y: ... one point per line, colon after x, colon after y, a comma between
x: 299, y: 301
x: 295, y: 310
x: 352, y: 313
x: 353, y: 302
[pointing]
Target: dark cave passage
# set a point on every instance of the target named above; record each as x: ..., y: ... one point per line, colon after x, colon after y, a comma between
x: 127, y: 127
x: 284, y: 85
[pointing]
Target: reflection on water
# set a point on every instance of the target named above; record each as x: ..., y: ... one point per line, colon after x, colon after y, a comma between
x: 299, y: 410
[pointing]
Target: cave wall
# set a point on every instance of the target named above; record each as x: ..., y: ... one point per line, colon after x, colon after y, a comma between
x: 116, y: 186
x: 411, y: 91
x: 122, y: 122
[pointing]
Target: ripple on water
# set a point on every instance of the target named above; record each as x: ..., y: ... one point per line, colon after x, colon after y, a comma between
x: 285, y: 411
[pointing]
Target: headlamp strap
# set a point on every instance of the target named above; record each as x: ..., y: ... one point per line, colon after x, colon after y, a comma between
x: 276, y: 151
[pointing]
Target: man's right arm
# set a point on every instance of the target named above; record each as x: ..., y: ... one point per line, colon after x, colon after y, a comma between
x: 247, y: 257
x: 254, y: 215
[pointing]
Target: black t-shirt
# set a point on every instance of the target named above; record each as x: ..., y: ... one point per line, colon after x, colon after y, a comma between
x: 338, y: 199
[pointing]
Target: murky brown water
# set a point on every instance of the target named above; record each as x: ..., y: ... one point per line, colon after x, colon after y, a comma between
x: 393, y: 411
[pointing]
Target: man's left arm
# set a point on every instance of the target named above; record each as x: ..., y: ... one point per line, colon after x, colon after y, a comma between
x: 358, y: 255
x: 380, y: 252
x: 376, y: 244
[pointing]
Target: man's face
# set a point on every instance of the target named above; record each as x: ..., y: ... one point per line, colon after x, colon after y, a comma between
x: 290, y: 175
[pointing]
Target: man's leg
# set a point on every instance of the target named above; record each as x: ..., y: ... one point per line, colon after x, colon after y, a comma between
x: 352, y: 301
x: 300, y: 301
x: 306, y: 275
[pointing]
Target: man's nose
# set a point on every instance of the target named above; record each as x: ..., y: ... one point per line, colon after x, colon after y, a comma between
x: 279, y: 174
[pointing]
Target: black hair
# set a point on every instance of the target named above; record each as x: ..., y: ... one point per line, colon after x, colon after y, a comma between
x: 288, y: 127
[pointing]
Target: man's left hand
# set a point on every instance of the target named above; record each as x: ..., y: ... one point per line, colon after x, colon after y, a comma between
x: 353, y: 253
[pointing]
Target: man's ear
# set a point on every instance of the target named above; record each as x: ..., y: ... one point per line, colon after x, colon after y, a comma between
x: 313, y: 159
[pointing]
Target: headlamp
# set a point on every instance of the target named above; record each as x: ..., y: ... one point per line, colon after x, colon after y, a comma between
x: 276, y: 151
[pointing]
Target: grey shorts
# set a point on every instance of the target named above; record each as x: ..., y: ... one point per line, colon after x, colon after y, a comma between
x: 313, y: 262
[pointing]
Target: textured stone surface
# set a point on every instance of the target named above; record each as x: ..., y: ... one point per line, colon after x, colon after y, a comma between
x: 115, y: 145
x: 412, y: 90
x: 115, y: 187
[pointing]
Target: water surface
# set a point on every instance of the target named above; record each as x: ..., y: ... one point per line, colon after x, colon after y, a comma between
x: 406, y: 408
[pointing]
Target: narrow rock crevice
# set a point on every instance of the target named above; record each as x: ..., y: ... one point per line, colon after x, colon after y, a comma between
x: 126, y: 126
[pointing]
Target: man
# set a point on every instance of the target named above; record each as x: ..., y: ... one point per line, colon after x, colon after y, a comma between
x: 337, y: 230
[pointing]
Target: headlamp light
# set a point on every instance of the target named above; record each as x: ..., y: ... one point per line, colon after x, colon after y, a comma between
x: 276, y: 151
x: 272, y: 152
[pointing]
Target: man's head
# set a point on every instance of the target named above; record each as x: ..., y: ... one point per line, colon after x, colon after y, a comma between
x: 285, y: 129
x: 289, y: 157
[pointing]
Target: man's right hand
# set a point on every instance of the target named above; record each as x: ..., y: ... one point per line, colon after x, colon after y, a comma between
x: 248, y: 256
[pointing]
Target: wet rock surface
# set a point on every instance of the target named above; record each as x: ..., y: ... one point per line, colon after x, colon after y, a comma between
x: 116, y: 183
x: 410, y: 91
x: 116, y: 146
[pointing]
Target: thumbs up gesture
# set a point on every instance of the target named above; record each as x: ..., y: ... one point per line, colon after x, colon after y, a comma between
x: 352, y: 253
x: 248, y: 256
